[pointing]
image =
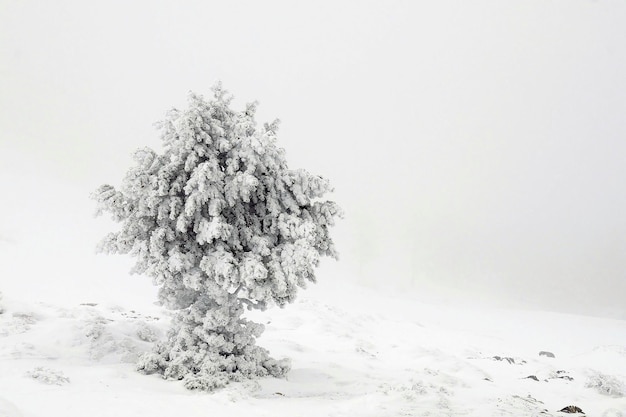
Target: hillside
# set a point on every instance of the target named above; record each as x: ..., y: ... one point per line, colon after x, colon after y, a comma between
x: 355, y: 353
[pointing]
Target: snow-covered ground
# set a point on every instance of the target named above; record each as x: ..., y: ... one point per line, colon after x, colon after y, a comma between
x: 354, y: 352
x: 73, y: 323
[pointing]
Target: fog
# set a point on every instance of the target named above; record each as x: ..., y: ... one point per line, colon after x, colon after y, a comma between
x: 477, y: 147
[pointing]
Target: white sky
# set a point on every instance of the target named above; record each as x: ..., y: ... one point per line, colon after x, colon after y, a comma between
x: 479, y: 145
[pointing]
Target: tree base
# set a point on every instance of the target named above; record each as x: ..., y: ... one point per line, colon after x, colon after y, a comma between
x: 211, y: 345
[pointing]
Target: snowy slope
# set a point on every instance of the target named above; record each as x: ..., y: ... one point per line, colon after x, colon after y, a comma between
x: 376, y: 356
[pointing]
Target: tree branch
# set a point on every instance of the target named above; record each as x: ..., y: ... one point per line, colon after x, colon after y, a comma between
x: 237, y: 290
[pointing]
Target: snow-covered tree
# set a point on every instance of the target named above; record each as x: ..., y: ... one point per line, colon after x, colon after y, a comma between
x: 219, y: 222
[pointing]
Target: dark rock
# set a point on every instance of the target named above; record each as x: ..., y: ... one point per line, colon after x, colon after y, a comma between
x: 563, y: 375
x: 572, y: 409
x: 546, y: 354
x: 506, y: 358
x: 532, y: 377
